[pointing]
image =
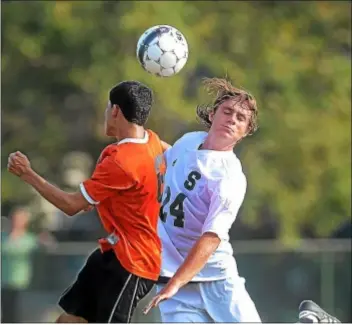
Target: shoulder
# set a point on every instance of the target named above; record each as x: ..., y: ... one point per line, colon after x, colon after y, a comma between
x: 196, y: 136
x: 152, y: 135
x: 233, y: 167
x: 219, y: 165
x: 108, y: 162
x: 189, y: 140
x: 109, y: 153
x: 106, y: 154
x: 229, y: 181
x: 120, y: 152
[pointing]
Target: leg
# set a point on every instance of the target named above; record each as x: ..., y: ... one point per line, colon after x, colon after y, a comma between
x: 104, y: 292
x: 120, y: 292
x: 79, y: 301
x: 186, y: 316
x: 227, y: 301
x: 185, y: 307
x: 9, y: 305
x: 310, y: 312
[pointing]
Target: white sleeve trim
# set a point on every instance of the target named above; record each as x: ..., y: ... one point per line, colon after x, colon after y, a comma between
x: 86, y: 195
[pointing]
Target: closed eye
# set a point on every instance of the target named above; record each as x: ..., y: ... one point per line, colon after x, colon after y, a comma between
x: 241, y: 117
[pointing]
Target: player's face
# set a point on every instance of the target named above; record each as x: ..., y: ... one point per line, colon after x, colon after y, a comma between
x: 230, y: 121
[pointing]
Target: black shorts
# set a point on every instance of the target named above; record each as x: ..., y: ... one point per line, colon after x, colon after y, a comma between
x: 104, y: 292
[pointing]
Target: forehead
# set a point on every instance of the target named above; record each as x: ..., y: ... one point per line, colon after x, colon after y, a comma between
x: 236, y: 105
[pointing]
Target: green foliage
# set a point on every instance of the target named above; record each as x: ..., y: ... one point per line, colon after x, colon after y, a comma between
x: 59, y: 59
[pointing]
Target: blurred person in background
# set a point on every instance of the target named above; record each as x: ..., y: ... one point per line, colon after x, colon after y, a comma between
x: 126, y: 188
x: 17, y: 246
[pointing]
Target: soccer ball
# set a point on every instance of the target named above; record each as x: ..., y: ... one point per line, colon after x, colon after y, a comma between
x: 162, y: 50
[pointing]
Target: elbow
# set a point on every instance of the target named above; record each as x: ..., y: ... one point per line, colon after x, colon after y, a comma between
x: 212, y: 239
x: 70, y: 212
x: 74, y: 204
x: 71, y: 209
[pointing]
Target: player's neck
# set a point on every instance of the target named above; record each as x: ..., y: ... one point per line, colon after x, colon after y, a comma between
x: 212, y: 143
x: 133, y: 131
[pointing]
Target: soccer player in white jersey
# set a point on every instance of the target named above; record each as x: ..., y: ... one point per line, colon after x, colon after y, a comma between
x: 203, y: 191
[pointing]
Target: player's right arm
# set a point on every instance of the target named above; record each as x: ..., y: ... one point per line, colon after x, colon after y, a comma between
x: 69, y: 203
x: 223, y: 209
x: 196, y: 259
x: 107, y: 178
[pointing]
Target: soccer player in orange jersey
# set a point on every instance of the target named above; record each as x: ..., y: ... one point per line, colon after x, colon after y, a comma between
x: 126, y: 188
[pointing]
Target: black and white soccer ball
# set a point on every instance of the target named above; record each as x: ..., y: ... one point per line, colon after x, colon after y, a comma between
x: 162, y: 50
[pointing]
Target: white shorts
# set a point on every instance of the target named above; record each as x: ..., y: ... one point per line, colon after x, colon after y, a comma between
x: 222, y: 301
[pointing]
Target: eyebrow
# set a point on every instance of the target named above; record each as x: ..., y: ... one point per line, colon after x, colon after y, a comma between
x: 240, y: 112
x: 229, y: 107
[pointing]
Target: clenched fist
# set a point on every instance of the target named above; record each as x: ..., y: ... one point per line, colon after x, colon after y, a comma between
x: 18, y: 164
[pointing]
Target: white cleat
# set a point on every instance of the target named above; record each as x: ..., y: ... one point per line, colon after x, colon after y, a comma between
x: 310, y: 312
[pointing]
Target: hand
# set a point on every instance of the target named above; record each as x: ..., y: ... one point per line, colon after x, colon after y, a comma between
x: 167, y: 292
x: 18, y: 164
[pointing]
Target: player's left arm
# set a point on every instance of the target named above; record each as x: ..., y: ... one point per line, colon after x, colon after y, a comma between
x: 69, y: 203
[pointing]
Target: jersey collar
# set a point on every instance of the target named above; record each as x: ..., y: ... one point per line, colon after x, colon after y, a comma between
x: 135, y: 140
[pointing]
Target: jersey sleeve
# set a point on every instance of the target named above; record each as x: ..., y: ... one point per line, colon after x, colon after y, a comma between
x: 226, y: 200
x: 107, y: 179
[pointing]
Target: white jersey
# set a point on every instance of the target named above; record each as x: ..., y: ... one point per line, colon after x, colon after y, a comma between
x: 203, y: 192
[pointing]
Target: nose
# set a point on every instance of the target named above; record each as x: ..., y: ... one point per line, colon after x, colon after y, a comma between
x: 232, y: 119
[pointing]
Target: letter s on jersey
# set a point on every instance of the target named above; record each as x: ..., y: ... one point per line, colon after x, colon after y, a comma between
x: 193, y: 177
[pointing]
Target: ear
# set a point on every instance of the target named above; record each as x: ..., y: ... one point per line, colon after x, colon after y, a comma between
x: 211, y: 116
x: 115, y: 110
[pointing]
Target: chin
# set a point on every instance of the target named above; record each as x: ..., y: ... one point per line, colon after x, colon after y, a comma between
x: 108, y: 132
x: 224, y: 133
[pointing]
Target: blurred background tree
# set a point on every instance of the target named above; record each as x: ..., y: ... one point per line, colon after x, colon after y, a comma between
x: 59, y: 59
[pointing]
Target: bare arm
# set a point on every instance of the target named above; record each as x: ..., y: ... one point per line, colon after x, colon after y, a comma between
x: 222, y: 213
x: 69, y: 203
x: 195, y: 261
x: 198, y: 256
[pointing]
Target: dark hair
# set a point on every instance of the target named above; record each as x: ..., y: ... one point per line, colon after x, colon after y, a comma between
x: 134, y: 99
x: 223, y: 90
